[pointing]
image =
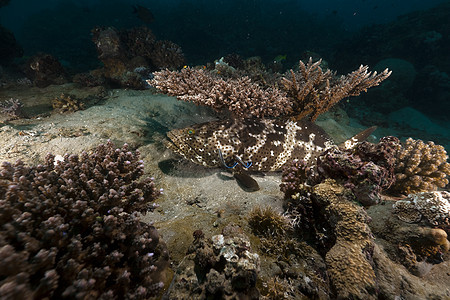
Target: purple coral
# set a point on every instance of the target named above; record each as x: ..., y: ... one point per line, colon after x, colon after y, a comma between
x: 12, y: 108
x: 71, y: 229
x: 366, y: 169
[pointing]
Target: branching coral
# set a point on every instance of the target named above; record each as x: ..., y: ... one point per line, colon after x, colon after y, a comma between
x: 307, y: 93
x: 67, y: 103
x: 241, y: 96
x: 315, y: 92
x: 420, y: 167
x: 70, y: 228
x: 12, y: 108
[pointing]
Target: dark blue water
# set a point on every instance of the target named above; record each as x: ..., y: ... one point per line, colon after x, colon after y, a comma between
x: 344, y: 33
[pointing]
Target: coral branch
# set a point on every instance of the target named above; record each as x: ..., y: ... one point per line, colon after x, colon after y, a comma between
x: 241, y: 96
x: 315, y: 92
x: 308, y: 92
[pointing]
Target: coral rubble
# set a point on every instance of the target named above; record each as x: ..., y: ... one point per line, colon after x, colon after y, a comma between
x: 70, y: 228
x: 222, y: 267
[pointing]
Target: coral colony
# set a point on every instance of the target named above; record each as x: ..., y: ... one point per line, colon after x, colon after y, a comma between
x: 71, y: 228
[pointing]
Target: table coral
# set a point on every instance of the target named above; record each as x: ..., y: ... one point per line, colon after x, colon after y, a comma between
x: 434, y: 207
x: 71, y: 229
x: 306, y: 93
x: 420, y: 167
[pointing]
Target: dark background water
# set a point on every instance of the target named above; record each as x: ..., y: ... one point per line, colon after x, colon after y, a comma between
x: 415, y: 34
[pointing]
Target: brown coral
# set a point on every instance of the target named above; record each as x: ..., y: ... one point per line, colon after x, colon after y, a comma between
x: 348, y: 265
x: 308, y: 92
x: 315, y: 92
x: 420, y: 167
x: 241, y: 96
x: 67, y: 103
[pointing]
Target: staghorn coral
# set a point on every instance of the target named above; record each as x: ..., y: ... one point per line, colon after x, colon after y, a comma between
x: 71, y: 229
x: 12, y: 108
x: 315, y: 92
x: 432, y: 206
x: 240, y: 96
x: 420, y: 167
x: 307, y: 93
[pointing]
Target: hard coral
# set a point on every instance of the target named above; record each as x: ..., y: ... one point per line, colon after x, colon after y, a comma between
x: 432, y: 206
x: 12, y: 108
x: 222, y: 267
x: 44, y: 70
x: 348, y: 259
x: 307, y: 93
x: 71, y: 229
x: 420, y: 167
x: 366, y: 169
x: 67, y: 103
x: 127, y: 53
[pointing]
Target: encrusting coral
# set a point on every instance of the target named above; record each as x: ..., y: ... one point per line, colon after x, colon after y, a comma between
x: 307, y: 93
x: 420, y: 167
x: 70, y: 228
x: 434, y: 207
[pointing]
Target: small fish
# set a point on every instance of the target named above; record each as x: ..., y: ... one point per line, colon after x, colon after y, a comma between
x: 259, y: 145
x: 279, y: 58
x: 144, y: 14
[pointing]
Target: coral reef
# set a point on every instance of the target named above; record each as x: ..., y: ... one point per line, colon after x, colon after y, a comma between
x: 348, y: 260
x: 67, y: 103
x: 420, y: 167
x: 130, y: 55
x: 12, y: 108
x: 366, y: 169
x: 240, y: 96
x: 222, y: 267
x: 414, y: 244
x: 44, y: 70
x: 434, y: 207
x: 308, y: 93
x: 70, y: 228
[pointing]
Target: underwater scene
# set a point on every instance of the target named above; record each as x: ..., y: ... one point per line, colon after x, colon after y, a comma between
x: 239, y: 149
